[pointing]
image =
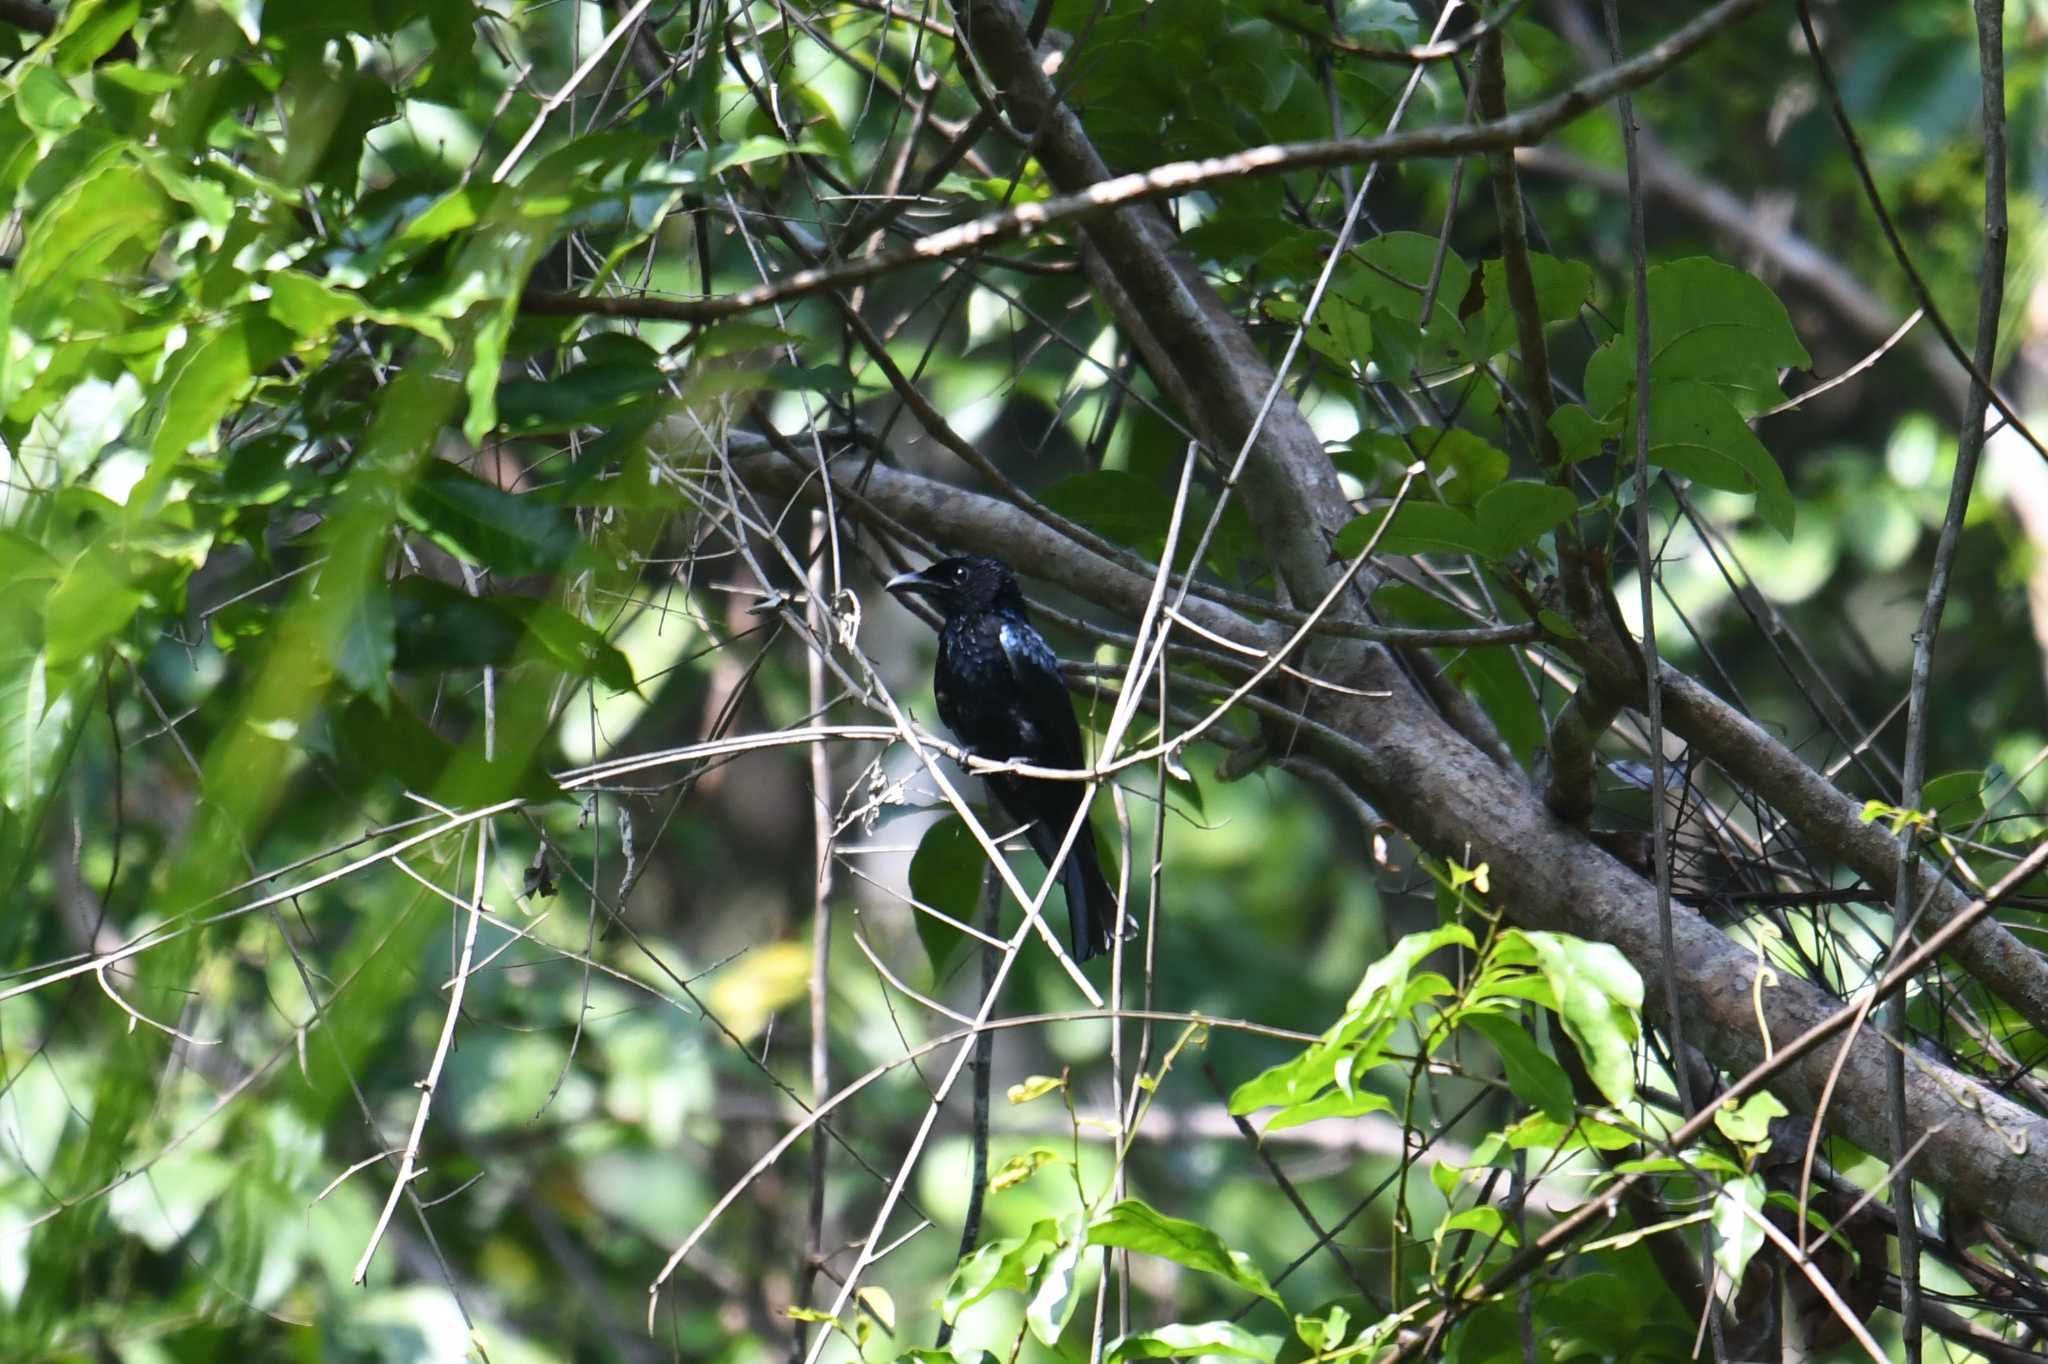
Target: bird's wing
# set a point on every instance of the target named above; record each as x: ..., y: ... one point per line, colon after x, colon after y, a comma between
x: 1055, y: 736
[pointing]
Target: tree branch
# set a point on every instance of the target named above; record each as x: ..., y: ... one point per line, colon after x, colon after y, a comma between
x: 1104, y: 193
x: 1436, y: 786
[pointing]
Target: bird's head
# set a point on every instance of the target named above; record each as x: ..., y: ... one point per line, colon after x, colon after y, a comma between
x: 971, y: 583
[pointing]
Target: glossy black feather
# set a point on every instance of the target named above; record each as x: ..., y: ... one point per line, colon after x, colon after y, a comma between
x: 999, y: 691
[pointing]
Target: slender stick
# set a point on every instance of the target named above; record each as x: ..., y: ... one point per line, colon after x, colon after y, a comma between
x: 1969, y: 449
x: 1660, y: 821
x: 820, y: 614
x: 408, y: 1165
x: 982, y: 1065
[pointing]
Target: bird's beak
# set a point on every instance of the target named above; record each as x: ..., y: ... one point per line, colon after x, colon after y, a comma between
x: 909, y: 582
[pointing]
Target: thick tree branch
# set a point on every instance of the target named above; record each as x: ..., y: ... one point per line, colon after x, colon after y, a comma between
x: 1983, y: 1150
x: 1986, y: 1152
x: 1831, y: 823
x: 1570, y: 763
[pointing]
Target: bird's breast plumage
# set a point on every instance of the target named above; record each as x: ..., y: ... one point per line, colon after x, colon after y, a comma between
x: 999, y: 690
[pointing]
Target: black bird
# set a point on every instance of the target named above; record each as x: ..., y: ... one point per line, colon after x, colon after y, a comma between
x: 999, y: 691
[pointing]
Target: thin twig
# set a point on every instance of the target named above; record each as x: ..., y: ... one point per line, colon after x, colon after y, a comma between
x: 408, y: 1164
x: 1179, y: 177
x: 1970, y: 447
x: 984, y: 1066
x: 1660, y: 810
x: 1250, y: 1134
x: 1979, y: 375
x: 1756, y: 1078
x: 823, y: 630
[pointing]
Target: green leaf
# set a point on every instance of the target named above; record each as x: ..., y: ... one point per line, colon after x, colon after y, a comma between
x: 88, y: 29
x: 1116, y: 504
x: 1033, y: 1087
x: 1463, y: 464
x: 1390, y: 989
x: 1019, y: 1168
x: 90, y: 605
x: 1536, y: 1079
x: 41, y: 714
x: 1486, y: 1220
x: 1517, y: 512
x: 706, y: 163
x: 1737, y: 1236
x: 1387, y: 276
x: 811, y: 378
x: 1135, y: 1225
x: 1749, y: 1123
x: 577, y: 648
x: 618, y: 370
x: 1562, y: 288
x: 365, y: 646
x: 163, y: 1209
x: 313, y: 308
x: 946, y: 873
x: 1326, y: 1332
x: 1342, y: 332
x: 1195, y: 1339
x: 1053, y: 1298
x: 103, y: 226
x: 1581, y: 1133
x: 393, y: 744
x: 881, y: 1303
x: 1416, y: 528
x: 1696, y: 431
x: 1956, y: 798
x: 736, y: 335
x: 1599, y: 1000
x: 440, y: 627
x: 23, y: 560
x: 1006, y: 1264
x: 308, y: 306
x: 1709, y: 322
x: 330, y: 114
x: 1296, y: 1081
x: 46, y: 102
x: 1579, y: 435
x: 458, y: 210
x: 486, y: 525
x: 208, y: 375
x: 1335, y: 1104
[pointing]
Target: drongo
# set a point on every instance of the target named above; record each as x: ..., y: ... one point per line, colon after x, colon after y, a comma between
x: 999, y: 691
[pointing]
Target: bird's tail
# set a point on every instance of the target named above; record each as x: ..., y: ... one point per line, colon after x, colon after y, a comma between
x: 1092, y: 914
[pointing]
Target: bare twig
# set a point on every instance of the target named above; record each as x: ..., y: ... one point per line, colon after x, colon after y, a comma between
x: 984, y: 1066
x: 1758, y: 1076
x: 823, y: 630
x: 1990, y: 299
x: 1179, y: 177
x: 1979, y: 376
x: 408, y: 1163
